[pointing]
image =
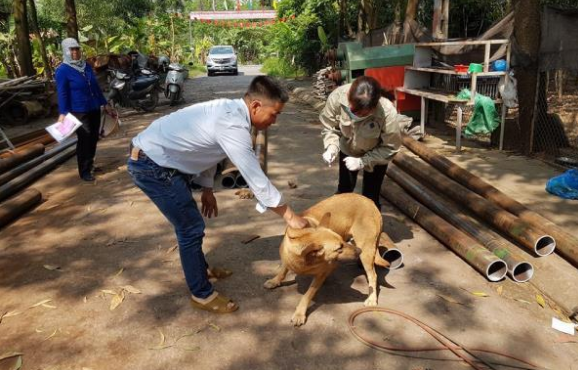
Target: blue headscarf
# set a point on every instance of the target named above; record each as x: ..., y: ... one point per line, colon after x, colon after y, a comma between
x: 68, y: 43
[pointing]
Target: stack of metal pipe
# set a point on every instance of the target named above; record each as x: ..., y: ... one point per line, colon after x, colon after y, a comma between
x: 472, y: 218
x: 230, y: 176
x: 20, y: 170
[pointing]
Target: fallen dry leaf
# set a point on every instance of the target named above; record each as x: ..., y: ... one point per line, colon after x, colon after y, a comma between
x: 540, y: 300
x: 48, y: 305
x: 12, y: 313
x: 116, y: 300
x: 131, y: 289
x: 172, y: 249
x: 119, y: 272
x: 477, y: 294
x: 51, y: 335
x: 292, y: 184
x: 250, y: 238
x: 162, y: 341
x: 214, y: 327
x: 41, y: 303
x: 17, y: 364
x: 245, y: 194
x: 521, y: 300
x: 449, y: 299
x: 565, y: 338
x: 500, y: 290
x: 108, y: 291
x: 52, y: 267
x: 85, y: 299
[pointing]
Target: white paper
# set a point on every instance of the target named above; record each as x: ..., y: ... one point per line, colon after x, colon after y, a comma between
x: 564, y: 327
x: 61, y: 130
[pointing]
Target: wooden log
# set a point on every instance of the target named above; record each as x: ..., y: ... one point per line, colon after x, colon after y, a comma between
x: 17, y: 206
x: 18, y: 158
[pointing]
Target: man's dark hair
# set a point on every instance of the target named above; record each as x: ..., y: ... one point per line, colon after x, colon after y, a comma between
x: 364, y: 93
x: 266, y: 87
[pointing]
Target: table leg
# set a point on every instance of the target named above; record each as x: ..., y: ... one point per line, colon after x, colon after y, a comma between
x: 459, y: 129
x: 422, y: 117
x: 503, y: 126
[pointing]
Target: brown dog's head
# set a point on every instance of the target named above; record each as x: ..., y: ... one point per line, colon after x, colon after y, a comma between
x: 318, y: 244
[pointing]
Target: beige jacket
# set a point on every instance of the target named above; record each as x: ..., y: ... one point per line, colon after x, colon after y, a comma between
x: 375, y: 139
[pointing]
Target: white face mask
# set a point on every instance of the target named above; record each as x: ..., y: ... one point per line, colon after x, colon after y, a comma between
x: 352, y: 115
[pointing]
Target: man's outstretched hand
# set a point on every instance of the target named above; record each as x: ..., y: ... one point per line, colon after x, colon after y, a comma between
x: 209, y: 203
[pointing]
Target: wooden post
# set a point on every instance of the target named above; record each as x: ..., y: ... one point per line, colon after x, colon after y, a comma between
x: 459, y: 129
x: 422, y: 116
x: 487, y: 57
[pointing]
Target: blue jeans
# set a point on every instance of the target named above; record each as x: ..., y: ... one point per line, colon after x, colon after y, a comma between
x: 170, y: 191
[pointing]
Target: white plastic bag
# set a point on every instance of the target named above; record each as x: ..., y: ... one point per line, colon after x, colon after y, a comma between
x: 508, y: 87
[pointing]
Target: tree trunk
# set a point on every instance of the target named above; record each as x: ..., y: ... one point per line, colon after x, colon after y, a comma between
x: 410, y: 14
x: 36, y: 29
x: 411, y: 10
x: 71, y: 23
x: 22, y: 39
x: 526, y: 38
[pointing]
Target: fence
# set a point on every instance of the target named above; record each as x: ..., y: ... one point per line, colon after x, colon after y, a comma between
x: 555, y: 134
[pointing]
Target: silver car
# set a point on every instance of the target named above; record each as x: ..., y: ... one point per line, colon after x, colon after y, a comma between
x: 222, y: 58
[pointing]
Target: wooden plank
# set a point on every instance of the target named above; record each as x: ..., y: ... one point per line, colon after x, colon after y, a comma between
x: 462, y: 43
x: 16, y: 81
x: 451, y: 71
x: 429, y: 94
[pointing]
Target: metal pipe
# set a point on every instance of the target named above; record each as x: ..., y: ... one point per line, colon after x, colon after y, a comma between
x: 27, y: 178
x: 391, y: 254
x: 15, y: 207
x: 519, y: 270
x: 5, y: 177
x: 538, y: 242
x: 240, y: 181
x: 228, y: 180
x: 18, y: 158
x: 493, y: 268
x: 567, y: 245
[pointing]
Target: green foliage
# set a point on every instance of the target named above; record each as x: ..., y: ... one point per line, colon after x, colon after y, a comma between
x: 279, y: 67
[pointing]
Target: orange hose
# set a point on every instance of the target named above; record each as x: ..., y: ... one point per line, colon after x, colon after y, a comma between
x: 447, y: 343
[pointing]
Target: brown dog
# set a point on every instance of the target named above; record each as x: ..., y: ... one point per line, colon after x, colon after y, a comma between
x: 315, y: 250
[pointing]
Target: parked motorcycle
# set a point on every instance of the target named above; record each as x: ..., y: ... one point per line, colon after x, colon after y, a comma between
x: 138, y: 90
x: 174, y: 82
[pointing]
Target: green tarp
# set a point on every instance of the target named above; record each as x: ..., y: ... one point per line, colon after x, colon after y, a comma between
x: 485, y: 117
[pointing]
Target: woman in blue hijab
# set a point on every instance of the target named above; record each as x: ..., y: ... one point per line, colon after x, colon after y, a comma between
x: 79, y: 94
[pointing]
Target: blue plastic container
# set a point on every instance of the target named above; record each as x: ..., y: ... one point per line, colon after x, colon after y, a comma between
x: 499, y: 65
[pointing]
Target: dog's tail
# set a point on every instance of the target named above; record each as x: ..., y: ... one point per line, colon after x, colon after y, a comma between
x: 384, y: 241
x: 379, y: 261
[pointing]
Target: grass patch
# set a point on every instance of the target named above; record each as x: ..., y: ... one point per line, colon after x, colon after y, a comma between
x: 197, y: 70
x: 277, y: 67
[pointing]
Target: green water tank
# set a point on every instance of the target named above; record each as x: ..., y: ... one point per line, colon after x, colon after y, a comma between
x: 353, y: 59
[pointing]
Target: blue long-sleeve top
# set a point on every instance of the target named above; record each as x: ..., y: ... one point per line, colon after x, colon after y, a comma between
x: 77, y: 92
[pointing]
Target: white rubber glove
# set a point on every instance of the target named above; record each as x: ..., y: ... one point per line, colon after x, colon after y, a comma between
x: 353, y: 164
x: 330, y: 154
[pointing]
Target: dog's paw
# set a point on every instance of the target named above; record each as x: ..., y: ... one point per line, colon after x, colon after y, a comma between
x: 298, y: 319
x: 271, y: 284
x: 370, y: 302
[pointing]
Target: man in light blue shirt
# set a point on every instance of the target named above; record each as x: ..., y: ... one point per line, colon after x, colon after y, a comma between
x: 187, y: 145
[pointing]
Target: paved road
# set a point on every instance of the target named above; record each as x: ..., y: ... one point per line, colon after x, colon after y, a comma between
x: 203, y: 88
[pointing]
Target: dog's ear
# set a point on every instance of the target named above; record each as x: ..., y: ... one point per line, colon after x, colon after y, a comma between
x: 325, y: 220
x: 297, y: 233
x: 312, y: 255
x: 312, y: 248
